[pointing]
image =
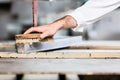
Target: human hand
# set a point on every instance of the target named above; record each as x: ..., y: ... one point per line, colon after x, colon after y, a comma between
x: 50, y: 29
x: 46, y: 30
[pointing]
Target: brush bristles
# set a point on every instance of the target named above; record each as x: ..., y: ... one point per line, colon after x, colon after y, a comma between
x: 27, y: 40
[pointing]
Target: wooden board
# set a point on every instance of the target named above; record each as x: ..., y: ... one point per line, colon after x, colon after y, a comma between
x: 106, y: 45
x: 66, y: 55
x: 101, y: 45
x: 64, y: 66
x: 7, y: 46
x: 87, y: 49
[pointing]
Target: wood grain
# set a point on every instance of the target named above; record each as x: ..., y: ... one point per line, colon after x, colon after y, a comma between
x: 63, y: 66
x: 90, y: 54
x: 103, y: 45
x: 100, y: 50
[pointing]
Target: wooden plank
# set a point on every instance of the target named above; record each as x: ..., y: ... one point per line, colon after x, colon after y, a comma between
x: 97, y: 45
x: 7, y: 45
x: 63, y: 66
x: 105, y: 55
x: 106, y: 45
x: 65, y: 55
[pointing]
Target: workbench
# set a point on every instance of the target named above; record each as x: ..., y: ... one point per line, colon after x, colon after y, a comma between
x: 80, y: 62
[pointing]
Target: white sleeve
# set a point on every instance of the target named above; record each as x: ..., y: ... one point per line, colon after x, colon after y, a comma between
x: 92, y: 11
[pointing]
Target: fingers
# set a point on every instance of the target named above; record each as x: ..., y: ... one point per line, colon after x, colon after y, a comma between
x: 45, y: 31
x: 30, y: 30
x: 34, y: 29
x: 44, y: 35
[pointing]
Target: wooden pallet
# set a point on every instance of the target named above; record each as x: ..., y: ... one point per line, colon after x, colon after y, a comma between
x: 75, y: 61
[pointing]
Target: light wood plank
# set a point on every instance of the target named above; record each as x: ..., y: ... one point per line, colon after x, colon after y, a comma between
x: 63, y: 66
x: 65, y: 55
x: 106, y: 45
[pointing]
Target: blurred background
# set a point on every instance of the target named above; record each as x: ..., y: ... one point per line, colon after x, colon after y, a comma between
x: 16, y: 17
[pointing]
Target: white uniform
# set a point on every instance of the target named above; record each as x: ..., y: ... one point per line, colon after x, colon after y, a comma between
x: 92, y: 11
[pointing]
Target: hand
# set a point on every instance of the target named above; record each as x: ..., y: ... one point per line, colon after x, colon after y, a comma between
x: 46, y: 30
x: 50, y: 29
